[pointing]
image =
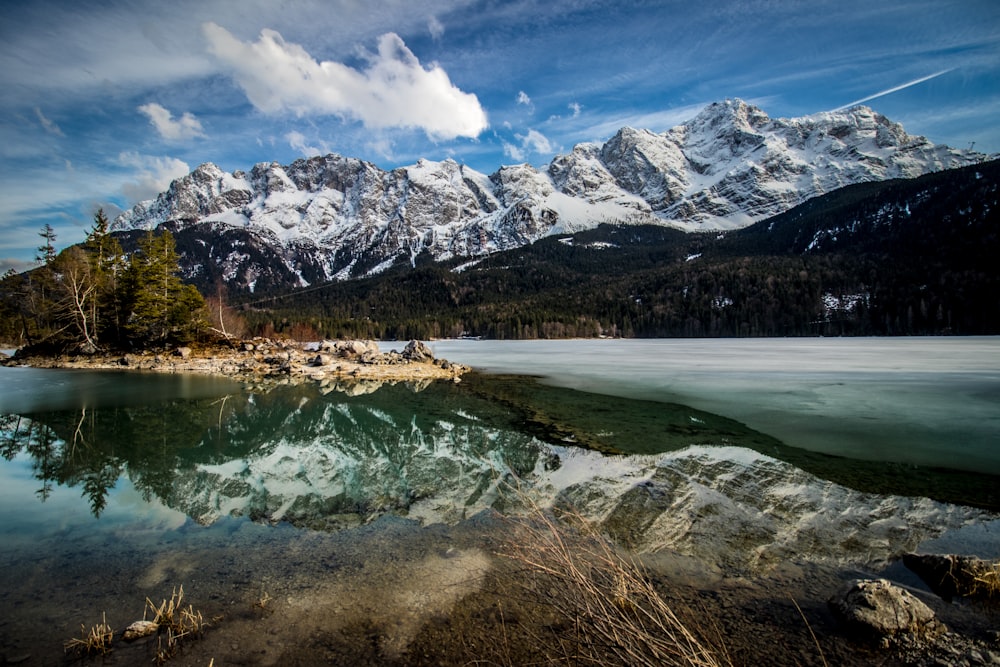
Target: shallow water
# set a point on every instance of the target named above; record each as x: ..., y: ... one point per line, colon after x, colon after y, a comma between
x: 739, y: 455
x: 927, y: 401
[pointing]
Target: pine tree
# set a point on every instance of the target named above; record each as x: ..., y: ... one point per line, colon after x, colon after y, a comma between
x: 107, y: 265
x: 162, y: 308
x: 47, y: 251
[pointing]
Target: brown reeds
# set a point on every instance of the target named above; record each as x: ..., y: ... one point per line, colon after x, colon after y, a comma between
x: 178, y: 621
x: 984, y: 580
x: 96, y: 641
x: 172, y: 616
x: 613, y: 614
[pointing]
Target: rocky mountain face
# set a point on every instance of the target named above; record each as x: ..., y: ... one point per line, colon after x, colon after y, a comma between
x: 333, y: 217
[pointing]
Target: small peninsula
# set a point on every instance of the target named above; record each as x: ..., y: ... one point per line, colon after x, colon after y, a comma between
x: 264, y: 360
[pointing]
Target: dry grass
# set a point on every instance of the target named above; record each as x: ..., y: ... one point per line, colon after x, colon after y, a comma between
x: 171, y: 615
x: 96, y: 641
x: 262, y: 602
x: 178, y: 621
x: 613, y: 614
x: 983, y: 581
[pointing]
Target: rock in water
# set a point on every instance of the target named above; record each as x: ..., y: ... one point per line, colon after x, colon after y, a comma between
x: 881, y: 610
x: 418, y: 351
x: 139, y: 629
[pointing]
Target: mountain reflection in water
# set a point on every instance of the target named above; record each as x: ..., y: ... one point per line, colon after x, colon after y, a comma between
x: 656, y: 475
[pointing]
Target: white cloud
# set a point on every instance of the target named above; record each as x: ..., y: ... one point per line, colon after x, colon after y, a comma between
x: 435, y: 28
x: 152, y: 175
x: 576, y: 107
x: 395, y: 91
x: 536, y: 142
x: 894, y: 89
x: 522, y: 98
x: 186, y: 127
x: 513, y: 152
x: 532, y: 142
x: 298, y: 142
x: 49, y: 125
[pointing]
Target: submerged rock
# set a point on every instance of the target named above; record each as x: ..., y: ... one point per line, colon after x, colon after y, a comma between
x: 880, y: 610
x: 140, y: 629
x: 956, y: 576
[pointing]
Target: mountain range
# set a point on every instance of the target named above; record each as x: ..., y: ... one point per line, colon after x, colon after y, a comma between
x: 333, y: 218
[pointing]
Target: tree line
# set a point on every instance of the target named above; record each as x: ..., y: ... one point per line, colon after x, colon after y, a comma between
x: 94, y: 296
x: 906, y: 257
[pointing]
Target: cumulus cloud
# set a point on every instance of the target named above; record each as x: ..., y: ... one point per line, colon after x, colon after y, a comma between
x: 513, y: 152
x: 522, y: 98
x: 394, y: 91
x: 532, y: 142
x: 575, y: 107
x: 185, y: 127
x: 536, y: 142
x: 152, y: 175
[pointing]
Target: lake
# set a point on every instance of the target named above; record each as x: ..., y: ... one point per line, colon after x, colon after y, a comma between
x: 367, y: 510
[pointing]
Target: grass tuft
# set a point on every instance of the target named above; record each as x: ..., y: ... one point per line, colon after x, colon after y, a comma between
x: 613, y: 614
x: 984, y: 581
x: 96, y: 641
x: 172, y: 615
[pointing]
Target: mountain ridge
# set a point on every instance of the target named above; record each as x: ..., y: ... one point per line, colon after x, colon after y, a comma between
x: 899, y: 257
x: 334, y: 217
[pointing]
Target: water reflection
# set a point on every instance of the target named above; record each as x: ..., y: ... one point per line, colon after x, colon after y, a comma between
x: 334, y: 456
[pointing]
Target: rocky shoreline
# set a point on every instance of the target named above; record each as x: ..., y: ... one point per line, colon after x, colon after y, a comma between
x: 263, y: 360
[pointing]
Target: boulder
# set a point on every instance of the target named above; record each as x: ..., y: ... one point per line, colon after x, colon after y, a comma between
x: 182, y: 352
x: 881, y: 610
x: 417, y: 351
x: 350, y: 349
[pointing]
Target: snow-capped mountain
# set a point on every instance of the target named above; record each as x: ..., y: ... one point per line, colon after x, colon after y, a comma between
x: 334, y: 217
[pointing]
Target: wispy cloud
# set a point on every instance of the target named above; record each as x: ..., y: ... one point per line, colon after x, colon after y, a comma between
x: 895, y: 89
x: 436, y: 28
x: 395, y: 91
x: 151, y: 174
x: 299, y: 143
x: 185, y: 127
x: 49, y: 125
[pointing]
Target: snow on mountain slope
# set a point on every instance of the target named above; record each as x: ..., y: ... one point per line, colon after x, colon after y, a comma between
x: 726, y: 168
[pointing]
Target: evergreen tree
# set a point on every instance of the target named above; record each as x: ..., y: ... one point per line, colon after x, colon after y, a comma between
x: 47, y: 251
x: 107, y: 266
x: 162, y: 308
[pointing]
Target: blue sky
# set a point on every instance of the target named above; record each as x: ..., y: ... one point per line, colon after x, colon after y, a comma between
x: 104, y: 103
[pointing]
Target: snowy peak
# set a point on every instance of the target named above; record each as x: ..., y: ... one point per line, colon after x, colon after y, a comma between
x: 729, y: 166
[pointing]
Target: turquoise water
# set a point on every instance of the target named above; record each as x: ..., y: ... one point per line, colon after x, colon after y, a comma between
x: 741, y: 453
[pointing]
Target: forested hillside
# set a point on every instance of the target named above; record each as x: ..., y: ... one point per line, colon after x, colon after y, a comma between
x: 902, y: 257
